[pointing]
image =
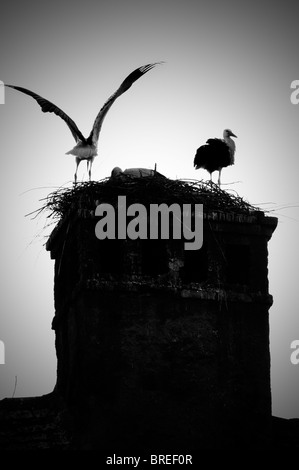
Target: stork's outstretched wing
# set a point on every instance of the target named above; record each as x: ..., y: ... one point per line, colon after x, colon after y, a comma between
x: 48, y: 107
x: 126, y: 84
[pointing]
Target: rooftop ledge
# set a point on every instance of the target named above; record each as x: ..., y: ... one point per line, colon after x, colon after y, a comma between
x: 194, y: 290
x: 256, y: 223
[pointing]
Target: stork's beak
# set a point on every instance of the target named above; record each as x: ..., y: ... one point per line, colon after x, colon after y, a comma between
x: 233, y: 135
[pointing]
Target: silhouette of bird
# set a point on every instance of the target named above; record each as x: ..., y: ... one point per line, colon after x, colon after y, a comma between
x: 216, y: 154
x: 86, y: 148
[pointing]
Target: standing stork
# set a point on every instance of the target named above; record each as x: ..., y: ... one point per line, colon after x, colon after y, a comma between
x: 86, y: 148
x: 216, y: 154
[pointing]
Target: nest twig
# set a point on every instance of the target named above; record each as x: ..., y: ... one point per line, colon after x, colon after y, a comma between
x: 147, y: 190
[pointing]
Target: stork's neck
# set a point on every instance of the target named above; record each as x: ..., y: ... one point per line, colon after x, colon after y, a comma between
x: 231, y: 144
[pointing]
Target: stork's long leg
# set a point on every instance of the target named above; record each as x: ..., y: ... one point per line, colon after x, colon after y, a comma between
x: 219, y: 182
x: 77, y: 164
x: 90, y: 165
x: 87, y: 166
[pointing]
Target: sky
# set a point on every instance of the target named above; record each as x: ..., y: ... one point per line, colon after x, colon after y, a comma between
x: 227, y: 64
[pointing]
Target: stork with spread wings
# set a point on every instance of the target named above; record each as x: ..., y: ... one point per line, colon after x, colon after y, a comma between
x: 86, y: 148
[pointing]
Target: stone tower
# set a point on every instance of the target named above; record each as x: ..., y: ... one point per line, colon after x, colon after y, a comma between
x: 158, y: 346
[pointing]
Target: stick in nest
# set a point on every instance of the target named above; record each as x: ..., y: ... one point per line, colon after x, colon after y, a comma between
x: 146, y: 190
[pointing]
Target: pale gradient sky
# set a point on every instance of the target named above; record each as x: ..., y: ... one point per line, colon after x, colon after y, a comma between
x: 228, y: 64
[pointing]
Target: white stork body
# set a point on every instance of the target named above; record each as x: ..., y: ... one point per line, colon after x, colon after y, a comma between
x: 83, y: 151
x: 86, y: 148
x: 216, y: 154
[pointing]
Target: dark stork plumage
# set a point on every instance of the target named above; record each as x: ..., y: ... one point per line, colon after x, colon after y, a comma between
x: 216, y: 154
x: 86, y: 148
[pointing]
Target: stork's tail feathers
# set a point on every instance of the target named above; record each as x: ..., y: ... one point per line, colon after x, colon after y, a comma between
x: 83, y: 152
